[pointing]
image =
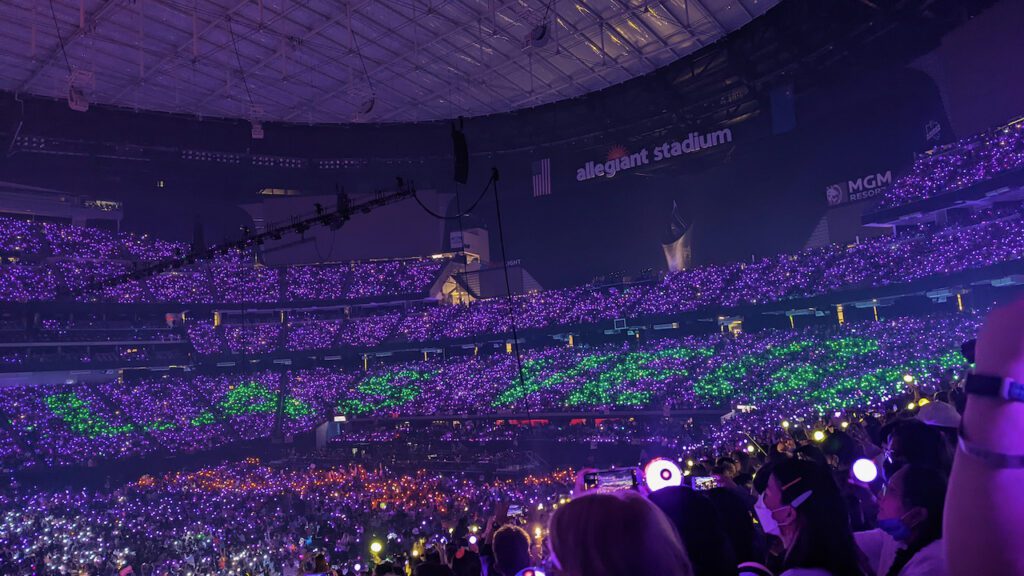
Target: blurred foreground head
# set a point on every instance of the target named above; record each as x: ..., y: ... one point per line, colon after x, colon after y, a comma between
x: 615, y: 534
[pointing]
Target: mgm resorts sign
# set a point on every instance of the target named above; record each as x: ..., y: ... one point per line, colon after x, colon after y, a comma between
x: 619, y: 160
x: 858, y: 189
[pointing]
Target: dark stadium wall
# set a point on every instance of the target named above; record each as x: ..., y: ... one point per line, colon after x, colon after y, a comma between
x: 758, y: 195
x: 977, y: 68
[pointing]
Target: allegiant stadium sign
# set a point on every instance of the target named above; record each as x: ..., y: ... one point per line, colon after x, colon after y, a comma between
x: 623, y: 161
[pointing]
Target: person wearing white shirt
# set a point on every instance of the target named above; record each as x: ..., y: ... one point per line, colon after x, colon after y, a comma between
x: 908, y: 541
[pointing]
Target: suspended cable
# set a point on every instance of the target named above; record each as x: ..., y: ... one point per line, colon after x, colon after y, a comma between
x: 60, y: 38
x: 508, y: 288
x: 547, y: 10
x: 461, y: 212
x: 238, y: 59
x: 359, y: 52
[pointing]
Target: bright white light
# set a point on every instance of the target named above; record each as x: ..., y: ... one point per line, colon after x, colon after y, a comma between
x: 661, y: 473
x: 472, y: 539
x: 818, y: 436
x: 376, y: 547
x: 357, y: 567
x: 865, y: 470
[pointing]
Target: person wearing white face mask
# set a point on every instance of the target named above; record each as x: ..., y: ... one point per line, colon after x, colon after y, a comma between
x: 908, y: 541
x: 802, y: 506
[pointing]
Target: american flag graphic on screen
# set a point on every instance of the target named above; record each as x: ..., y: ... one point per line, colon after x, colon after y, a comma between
x: 541, y: 177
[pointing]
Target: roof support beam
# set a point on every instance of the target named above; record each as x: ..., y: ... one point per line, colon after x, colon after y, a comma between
x: 612, y: 31
x: 497, y: 7
x: 498, y: 71
x: 104, y: 8
x: 647, y: 27
x: 190, y: 45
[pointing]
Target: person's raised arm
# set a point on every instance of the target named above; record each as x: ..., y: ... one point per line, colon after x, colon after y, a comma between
x: 984, y: 518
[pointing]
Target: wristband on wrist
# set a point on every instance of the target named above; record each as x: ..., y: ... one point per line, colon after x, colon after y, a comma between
x: 994, y: 387
x: 988, y: 457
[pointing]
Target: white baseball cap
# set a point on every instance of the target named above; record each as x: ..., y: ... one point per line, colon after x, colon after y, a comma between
x: 940, y: 414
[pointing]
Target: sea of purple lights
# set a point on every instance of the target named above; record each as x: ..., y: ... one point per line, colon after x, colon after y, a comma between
x: 191, y: 412
x: 870, y: 263
x: 959, y: 165
x: 184, y: 523
x: 52, y: 259
x: 875, y: 262
x: 240, y: 518
x: 300, y: 335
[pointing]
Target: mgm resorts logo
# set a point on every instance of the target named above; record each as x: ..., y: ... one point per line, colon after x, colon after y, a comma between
x: 858, y: 189
x: 620, y: 160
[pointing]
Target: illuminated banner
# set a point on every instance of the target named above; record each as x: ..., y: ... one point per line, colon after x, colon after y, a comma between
x: 858, y: 189
x: 619, y: 160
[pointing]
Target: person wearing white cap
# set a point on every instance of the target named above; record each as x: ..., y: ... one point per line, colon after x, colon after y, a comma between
x: 939, y: 414
x: 984, y: 515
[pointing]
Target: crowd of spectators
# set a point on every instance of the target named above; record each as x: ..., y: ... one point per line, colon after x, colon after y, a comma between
x: 862, y: 498
x: 875, y: 262
x: 958, y: 165
x: 782, y: 374
x: 871, y: 263
x: 246, y: 517
x: 831, y: 458
x: 45, y: 261
x: 78, y: 424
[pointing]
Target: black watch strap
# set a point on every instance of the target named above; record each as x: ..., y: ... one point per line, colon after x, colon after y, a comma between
x: 995, y: 387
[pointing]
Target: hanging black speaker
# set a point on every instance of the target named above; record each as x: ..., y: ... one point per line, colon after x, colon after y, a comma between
x: 460, y: 153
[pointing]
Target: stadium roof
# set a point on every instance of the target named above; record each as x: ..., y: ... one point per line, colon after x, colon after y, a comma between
x: 328, y: 61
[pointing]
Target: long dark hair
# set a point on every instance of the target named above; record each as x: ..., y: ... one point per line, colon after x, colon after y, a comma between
x: 824, y: 540
x: 737, y: 521
x: 700, y: 526
x: 923, y: 487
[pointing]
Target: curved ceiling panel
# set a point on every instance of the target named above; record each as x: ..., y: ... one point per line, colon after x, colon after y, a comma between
x: 327, y: 61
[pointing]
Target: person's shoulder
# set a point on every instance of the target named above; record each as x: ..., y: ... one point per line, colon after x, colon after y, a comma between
x: 868, y: 539
x: 877, y: 546
x: 806, y: 572
x: 753, y: 569
x: 930, y: 560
